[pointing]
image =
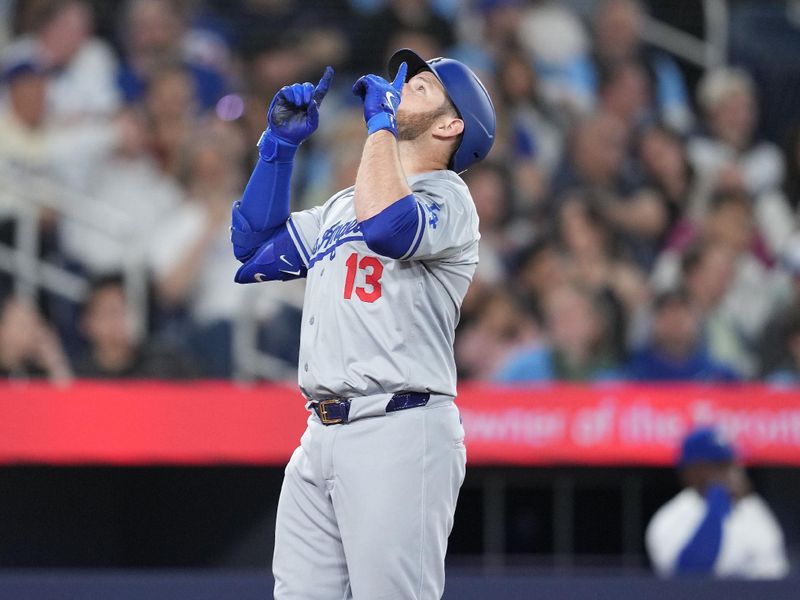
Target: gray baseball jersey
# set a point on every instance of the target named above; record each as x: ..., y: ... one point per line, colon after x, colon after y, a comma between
x: 373, y: 324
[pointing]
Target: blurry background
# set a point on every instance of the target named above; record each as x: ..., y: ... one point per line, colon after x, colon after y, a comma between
x: 639, y: 222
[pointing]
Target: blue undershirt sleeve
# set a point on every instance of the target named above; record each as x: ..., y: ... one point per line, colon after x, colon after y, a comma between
x: 393, y: 230
x: 700, y: 553
x: 264, y: 205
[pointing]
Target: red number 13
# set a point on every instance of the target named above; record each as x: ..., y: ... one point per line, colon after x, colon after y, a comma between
x: 373, y: 269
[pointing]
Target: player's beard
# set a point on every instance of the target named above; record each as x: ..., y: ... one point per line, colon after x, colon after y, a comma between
x: 411, y: 126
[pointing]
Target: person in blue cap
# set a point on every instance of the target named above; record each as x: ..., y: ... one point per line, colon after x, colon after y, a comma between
x: 716, y: 526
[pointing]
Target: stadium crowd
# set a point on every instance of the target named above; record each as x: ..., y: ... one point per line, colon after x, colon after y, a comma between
x: 633, y: 226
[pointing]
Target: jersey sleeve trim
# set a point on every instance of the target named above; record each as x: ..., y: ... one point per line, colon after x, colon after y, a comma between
x: 294, y: 234
x: 419, y: 233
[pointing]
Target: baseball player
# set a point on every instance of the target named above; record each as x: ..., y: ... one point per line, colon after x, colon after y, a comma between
x: 368, y: 498
x: 717, y: 525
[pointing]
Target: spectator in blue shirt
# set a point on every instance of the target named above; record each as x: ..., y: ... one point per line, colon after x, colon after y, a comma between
x: 675, y: 351
x: 578, y: 347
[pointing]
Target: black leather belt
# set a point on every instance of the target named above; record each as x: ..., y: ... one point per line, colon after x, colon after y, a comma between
x: 337, y: 410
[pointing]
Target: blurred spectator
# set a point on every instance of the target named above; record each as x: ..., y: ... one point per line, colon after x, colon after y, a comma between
x: 81, y: 68
x: 675, y: 350
x: 729, y: 157
x: 486, y: 33
x: 29, y: 348
x: 153, y: 34
x: 489, y: 185
x: 21, y: 120
x: 708, y: 270
x: 559, y: 47
x: 270, y: 65
x: 716, y: 526
x: 633, y: 66
x: 425, y: 44
x: 172, y: 113
x: 593, y: 257
x: 538, y: 126
x: 597, y: 156
x: 539, y: 269
x: 667, y: 170
x: 598, y: 163
x: 791, y: 188
x: 501, y: 328
x: 31, y: 147
x: 30, y: 140
x: 788, y: 373
x: 282, y: 41
x: 624, y: 91
x: 190, y: 253
x: 578, y: 347
x: 109, y: 325
x: 750, y: 297
x: 6, y: 10
x: 729, y: 154
x: 773, y: 346
x: 374, y: 31
x: 130, y: 194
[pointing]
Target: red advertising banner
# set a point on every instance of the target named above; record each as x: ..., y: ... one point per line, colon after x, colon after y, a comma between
x: 626, y: 424
x: 222, y: 423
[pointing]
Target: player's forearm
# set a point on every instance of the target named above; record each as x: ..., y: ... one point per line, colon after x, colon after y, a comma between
x: 292, y: 117
x: 266, y: 199
x: 380, y: 181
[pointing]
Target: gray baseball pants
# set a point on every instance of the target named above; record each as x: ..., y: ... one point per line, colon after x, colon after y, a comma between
x: 366, y: 507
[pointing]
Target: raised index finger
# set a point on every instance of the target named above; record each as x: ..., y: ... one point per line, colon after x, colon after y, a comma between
x: 400, y: 78
x: 323, y: 85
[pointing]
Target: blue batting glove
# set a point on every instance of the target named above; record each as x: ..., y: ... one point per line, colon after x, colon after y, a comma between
x: 381, y: 100
x: 293, y: 114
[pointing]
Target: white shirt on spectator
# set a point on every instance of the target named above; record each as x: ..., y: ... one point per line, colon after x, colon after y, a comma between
x: 87, y: 86
x: 752, y: 541
x: 750, y: 299
x: 65, y: 155
x: 132, y: 196
x: 762, y: 165
x: 215, y: 295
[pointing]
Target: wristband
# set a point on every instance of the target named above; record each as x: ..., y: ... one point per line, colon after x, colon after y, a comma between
x: 382, y: 120
x: 274, y: 149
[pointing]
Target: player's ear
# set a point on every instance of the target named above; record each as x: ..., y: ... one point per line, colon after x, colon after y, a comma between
x: 448, y: 127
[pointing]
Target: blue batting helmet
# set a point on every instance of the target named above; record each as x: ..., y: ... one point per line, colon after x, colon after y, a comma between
x: 467, y: 94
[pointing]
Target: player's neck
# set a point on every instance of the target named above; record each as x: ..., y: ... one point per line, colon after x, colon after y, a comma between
x: 419, y: 158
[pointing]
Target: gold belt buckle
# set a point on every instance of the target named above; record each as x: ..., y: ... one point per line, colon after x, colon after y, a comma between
x: 322, y: 409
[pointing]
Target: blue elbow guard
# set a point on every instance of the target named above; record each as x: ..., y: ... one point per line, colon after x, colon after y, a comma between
x: 245, y: 240
x: 393, y: 230
x: 276, y: 260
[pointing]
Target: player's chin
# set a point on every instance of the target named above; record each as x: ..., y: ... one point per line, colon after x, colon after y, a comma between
x: 410, y: 126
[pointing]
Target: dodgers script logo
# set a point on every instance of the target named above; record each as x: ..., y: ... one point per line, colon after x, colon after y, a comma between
x: 334, y: 236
